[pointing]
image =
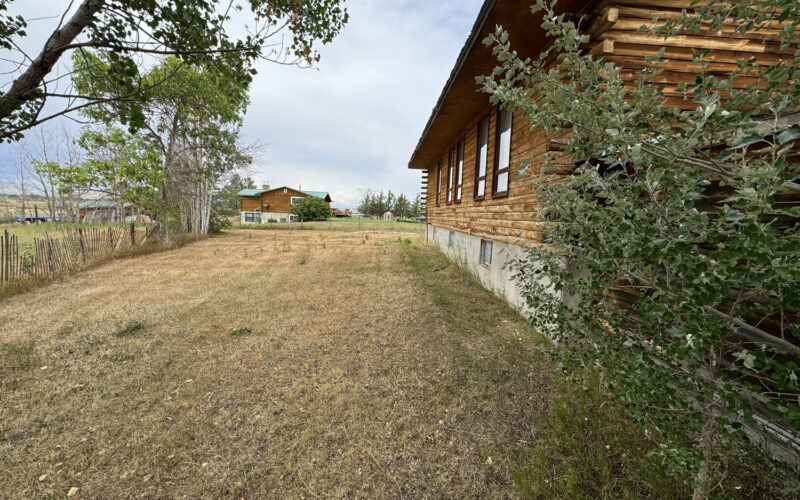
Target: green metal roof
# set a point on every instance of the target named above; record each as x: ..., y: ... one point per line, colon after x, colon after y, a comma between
x: 317, y: 194
x: 252, y: 192
x: 258, y: 192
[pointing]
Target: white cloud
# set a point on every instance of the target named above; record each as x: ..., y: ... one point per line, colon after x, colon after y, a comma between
x: 353, y: 124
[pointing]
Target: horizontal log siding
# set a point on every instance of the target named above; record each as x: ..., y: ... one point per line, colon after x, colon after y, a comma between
x: 279, y: 202
x: 514, y: 219
x: 250, y: 203
x: 511, y: 218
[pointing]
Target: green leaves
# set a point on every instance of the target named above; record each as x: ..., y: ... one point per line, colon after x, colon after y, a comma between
x: 677, y: 256
x: 311, y: 208
x: 121, y: 32
x: 790, y: 134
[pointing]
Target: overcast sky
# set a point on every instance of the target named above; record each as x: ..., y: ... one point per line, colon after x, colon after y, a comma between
x: 352, y: 123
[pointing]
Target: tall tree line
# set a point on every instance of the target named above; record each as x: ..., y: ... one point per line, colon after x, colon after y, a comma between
x: 375, y: 204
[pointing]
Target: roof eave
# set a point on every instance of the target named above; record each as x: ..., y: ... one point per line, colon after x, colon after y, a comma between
x: 477, y: 28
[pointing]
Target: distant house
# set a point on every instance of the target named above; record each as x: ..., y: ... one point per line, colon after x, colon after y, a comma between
x: 259, y: 206
x: 106, y: 211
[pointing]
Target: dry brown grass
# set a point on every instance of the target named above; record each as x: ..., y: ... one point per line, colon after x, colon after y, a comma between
x: 268, y: 364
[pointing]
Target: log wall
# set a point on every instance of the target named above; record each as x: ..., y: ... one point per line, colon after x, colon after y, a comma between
x: 613, y: 29
x: 279, y: 202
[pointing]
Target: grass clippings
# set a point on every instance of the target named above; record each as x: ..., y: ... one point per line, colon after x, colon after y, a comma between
x: 241, y: 331
x: 132, y: 327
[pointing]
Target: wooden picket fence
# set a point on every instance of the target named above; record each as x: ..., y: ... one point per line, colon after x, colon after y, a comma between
x: 71, y: 250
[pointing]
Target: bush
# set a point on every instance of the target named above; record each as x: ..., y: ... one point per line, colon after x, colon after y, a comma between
x: 311, y: 208
x: 217, y: 224
x: 672, y: 252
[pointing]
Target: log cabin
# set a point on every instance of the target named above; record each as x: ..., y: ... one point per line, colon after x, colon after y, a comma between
x: 478, y: 210
x: 259, y: 206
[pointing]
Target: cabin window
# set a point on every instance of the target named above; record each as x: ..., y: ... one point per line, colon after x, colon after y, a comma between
x: 502, y: 157
x: 438, y: 182
x: 459, y: 171
x: 450, y: 177
x: 252, y: 217
x: 486, y: 253
x: 295, y: 199
x: 284, y: 190
x: 482, y: 159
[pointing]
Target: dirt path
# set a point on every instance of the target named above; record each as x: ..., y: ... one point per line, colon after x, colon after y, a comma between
x: 362, y: 365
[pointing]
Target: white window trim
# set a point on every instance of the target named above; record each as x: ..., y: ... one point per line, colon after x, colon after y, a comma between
x: 291, y: 200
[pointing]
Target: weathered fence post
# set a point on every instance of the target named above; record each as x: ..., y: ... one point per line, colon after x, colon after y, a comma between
x: 80, y: 240
x: 7, y: 246
x: 133, y: 235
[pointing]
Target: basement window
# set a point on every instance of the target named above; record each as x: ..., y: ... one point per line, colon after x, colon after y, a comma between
x: 252, y: 217
x: 450, y: 239
x: 486, y: 253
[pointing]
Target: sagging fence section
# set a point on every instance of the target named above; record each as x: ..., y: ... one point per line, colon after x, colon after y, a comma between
x: 70, y: 250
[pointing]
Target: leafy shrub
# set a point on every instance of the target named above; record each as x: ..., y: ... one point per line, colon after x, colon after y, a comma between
x: 311, y: 208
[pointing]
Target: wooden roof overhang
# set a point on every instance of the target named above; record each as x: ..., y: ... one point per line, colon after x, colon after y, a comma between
x: 460, y: 100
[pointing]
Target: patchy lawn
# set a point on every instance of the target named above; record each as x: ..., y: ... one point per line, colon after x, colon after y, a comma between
x: 268, y: 364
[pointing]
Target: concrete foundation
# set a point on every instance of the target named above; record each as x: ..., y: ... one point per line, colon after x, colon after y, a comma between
x: 466, y: 250
x: 266, y: 216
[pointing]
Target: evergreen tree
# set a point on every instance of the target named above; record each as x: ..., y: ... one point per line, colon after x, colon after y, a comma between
x: 416, y: 208
x: 379, y: 202
x: 390, y: 202
x: 402, y: 207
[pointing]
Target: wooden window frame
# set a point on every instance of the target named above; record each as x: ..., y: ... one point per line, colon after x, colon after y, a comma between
x: 496, y: 172
x: 439, y: 183
x: 485, y: 176
x: 448, y: 198
x: 458, y: 184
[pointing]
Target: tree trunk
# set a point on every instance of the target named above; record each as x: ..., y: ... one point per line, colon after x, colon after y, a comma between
x: 705, y: 477
x: 25, y: 86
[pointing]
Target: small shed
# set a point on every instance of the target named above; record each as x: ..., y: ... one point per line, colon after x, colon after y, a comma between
x: 387, y: 216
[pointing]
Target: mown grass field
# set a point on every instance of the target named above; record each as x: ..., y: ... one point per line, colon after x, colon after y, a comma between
x: 299, y: 364
x: 339, y: 224
x: 268, y: 364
